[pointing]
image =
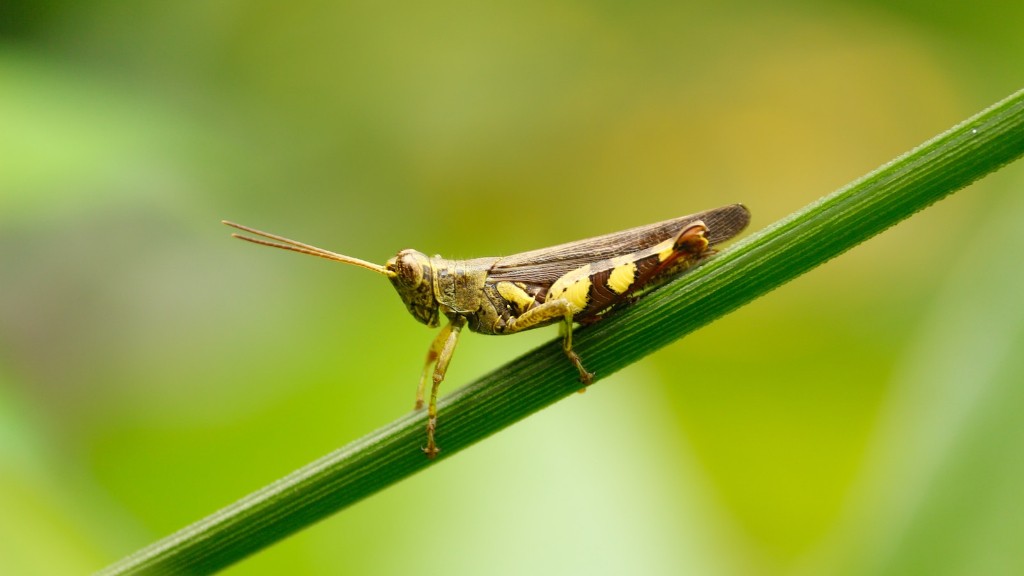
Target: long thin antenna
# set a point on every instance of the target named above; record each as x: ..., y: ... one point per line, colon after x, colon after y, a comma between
x: 287, y: 244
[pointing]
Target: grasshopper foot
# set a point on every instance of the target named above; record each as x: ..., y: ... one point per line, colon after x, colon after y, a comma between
x: 586, y: 377
x: 431, y: 449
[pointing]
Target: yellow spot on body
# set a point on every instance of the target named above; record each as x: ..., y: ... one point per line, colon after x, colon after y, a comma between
x: 622, y: 277
x: 516, y: 295
x: 574, y: 287
x: 578, y: 293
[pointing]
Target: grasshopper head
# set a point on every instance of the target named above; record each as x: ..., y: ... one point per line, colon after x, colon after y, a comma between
x: 413, y: 277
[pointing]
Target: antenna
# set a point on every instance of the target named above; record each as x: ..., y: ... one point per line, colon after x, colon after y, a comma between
x: 286, y: 244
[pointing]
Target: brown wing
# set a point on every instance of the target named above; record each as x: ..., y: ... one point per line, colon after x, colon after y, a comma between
x: 546, y: 265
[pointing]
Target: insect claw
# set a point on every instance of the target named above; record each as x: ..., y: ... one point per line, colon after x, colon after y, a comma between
x: 431, y: 450
x: 586, y: 377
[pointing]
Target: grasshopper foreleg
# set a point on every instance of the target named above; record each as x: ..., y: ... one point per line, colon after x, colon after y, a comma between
x: 440, y: 354
x: 432, y: 354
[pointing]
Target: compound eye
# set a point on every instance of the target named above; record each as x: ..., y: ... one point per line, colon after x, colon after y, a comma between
x: 409, y: 269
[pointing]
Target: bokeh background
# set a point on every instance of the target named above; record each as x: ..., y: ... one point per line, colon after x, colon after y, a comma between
x: 863, y: 419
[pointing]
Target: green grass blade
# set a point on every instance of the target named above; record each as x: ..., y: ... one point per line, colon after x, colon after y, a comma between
x: 738, y: 275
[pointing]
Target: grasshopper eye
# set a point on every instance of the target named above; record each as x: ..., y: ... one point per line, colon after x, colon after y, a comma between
x: 408, y: 268
x: 411, y: 275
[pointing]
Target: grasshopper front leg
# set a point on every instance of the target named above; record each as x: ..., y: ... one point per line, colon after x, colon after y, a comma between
x: 440, y: 355
x: 432, y: 354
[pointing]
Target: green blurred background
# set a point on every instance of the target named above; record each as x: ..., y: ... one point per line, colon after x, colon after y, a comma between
x: 864, y: 419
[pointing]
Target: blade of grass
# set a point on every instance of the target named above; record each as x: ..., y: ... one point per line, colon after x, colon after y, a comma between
x: 738, y: 275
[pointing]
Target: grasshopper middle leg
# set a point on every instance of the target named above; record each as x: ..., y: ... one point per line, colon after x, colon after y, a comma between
x: 545, y: 313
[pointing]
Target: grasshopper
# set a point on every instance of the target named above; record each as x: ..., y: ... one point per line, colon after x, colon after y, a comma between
x: 577, y: 282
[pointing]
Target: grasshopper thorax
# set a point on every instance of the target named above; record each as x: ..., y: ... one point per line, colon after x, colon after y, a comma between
x: 413, y: 277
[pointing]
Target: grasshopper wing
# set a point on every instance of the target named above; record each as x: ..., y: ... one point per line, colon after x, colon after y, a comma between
x: 546, y: 265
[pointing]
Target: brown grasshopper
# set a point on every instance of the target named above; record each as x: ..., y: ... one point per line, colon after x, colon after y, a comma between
x: 578, y: 281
